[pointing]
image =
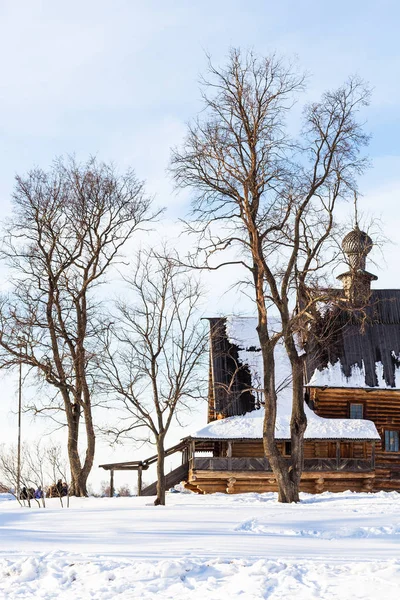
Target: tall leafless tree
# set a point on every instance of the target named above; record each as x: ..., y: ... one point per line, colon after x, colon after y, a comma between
x: 274, y: 199
x: 154, y: 363
x: 68, y: 227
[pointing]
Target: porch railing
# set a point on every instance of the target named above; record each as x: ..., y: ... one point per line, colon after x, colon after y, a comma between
x: 262, y: 464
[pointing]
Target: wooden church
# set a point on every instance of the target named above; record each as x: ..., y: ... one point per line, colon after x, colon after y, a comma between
x: 352, y: 396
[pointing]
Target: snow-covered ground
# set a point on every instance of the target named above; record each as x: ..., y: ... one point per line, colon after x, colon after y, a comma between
x: 203, y: 547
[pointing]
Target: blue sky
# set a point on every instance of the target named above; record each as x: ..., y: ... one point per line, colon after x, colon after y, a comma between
x: 119, y: 79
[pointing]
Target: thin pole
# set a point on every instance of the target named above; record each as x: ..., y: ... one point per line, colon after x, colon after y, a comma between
x: 19, y: 431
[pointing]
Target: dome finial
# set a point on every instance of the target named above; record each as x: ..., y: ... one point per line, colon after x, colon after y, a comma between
x: 355, y: 210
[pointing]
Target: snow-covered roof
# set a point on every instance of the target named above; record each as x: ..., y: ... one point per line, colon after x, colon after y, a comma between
x: 241, y: 331
x: 358, y: 349
x: 250, y: 426
x: 333, y: 376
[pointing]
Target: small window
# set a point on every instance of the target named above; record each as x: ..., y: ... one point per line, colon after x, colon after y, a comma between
x: 356, y: 411
x: 288, y: 448
x: 391, y: 441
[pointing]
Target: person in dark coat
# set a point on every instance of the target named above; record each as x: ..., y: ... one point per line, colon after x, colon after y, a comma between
x: 59, y: 486
x: 23, y: 494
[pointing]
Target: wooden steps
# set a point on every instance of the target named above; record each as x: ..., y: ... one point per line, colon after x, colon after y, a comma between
x: 176, y: 476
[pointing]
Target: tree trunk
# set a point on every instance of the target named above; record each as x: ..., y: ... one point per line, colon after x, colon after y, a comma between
x: 298, y: 423
x: 287, y: 490
x: 90, y: 445
x: 78, y: 480
x: 160, y: 472
x: 287, y: 473
x: 79, y: 473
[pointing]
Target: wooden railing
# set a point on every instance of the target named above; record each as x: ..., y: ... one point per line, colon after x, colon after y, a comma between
x: 262, y: 464
x: 143, y: 465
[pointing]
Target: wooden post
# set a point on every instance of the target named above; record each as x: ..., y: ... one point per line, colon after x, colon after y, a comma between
x: 139, y: 480
x: 337, y: 455
x: 373, y: 455
x: 111, y: 483
x: 192, y: 448
x: 229, y: 450
x: 230, y: 485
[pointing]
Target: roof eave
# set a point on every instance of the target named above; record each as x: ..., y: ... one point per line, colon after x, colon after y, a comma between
x: 348, y: 387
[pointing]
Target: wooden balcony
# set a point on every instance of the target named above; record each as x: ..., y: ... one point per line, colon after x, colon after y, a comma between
x: 346, y: 465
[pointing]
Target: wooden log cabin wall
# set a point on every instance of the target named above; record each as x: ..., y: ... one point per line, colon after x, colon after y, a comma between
x: 240, y: 466
x: 380, y: 406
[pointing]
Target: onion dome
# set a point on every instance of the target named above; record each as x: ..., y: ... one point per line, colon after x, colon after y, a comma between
x: 357, y: 244
x: 357, y: 281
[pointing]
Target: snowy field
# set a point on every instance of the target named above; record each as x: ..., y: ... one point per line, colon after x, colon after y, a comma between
x: 204, y: 548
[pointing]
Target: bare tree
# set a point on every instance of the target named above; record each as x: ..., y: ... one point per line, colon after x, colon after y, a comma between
x: 41, y: 467
x: 105, y: 489
x: 67, y: 230
x: 57, y: 471
x: 35, y: 456
x: 154, y: 364
x: 274, y: 200
x: 124, y: 490
x: 9, y: 471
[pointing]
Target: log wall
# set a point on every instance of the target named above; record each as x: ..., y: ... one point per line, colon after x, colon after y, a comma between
x: 209, y: 480
x: 236, y: 482
x: 380, y: 406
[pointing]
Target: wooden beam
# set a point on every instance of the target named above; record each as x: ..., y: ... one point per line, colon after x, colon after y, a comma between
x: 139, y: 481
x: 111, y: 483
x: 135, y: 464
x: 126, y: 466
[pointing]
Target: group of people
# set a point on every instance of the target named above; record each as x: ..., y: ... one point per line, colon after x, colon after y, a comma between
x: 57, y: 490
x: 31, y: 493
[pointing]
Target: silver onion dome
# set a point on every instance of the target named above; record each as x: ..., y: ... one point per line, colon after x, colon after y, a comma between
x: 357, y: 244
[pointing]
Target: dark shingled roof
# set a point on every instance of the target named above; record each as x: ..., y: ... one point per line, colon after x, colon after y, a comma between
x: 361, y: 339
